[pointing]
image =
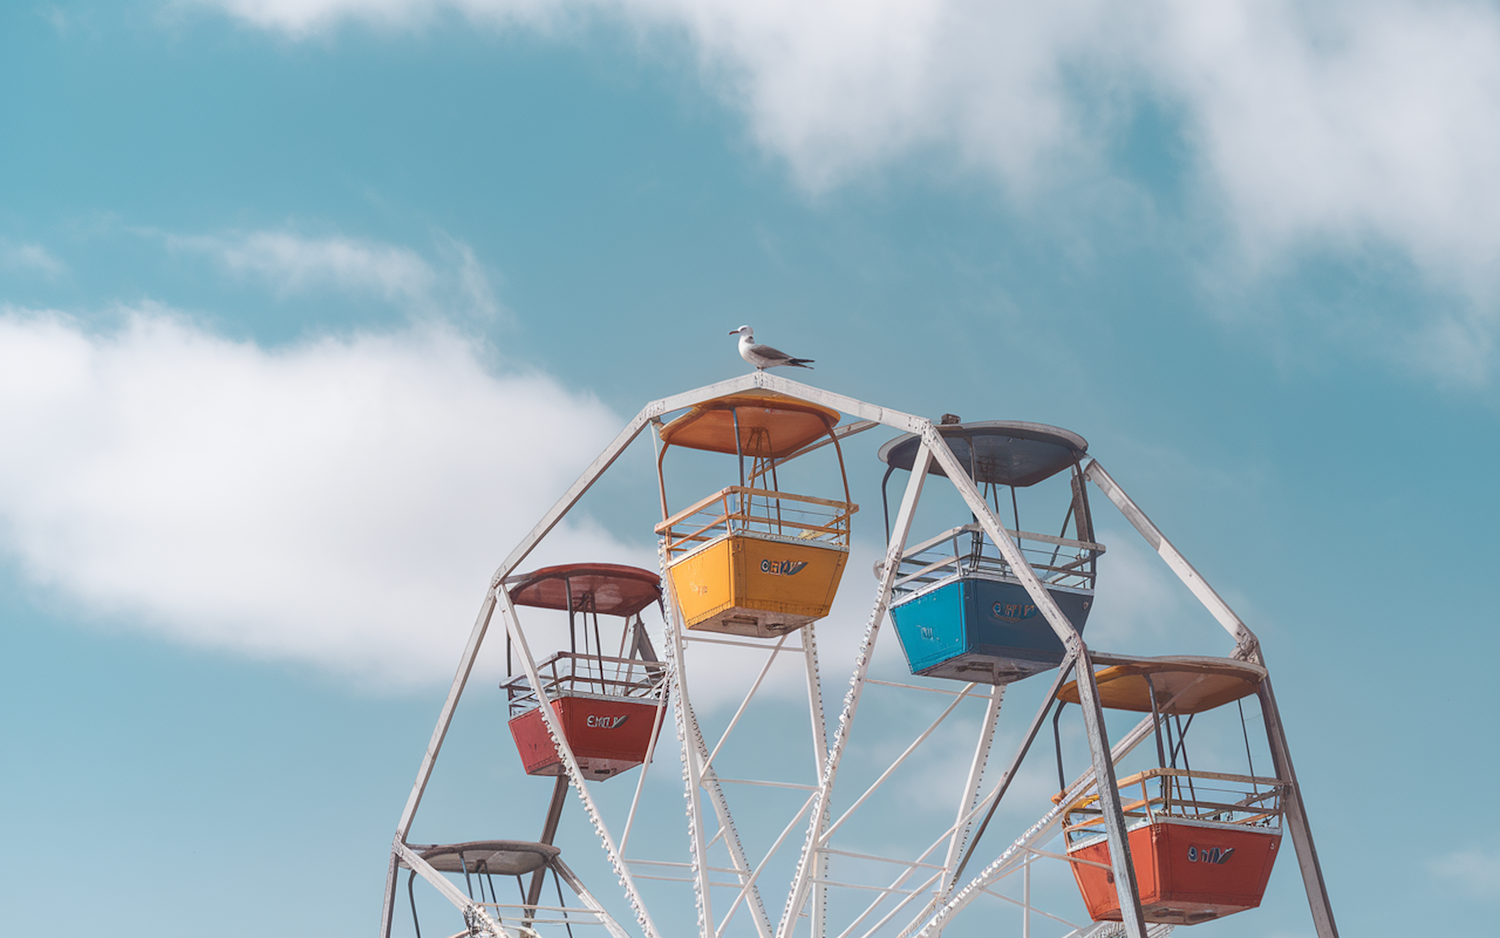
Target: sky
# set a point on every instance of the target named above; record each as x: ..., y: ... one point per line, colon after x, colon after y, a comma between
x: 310, y: 308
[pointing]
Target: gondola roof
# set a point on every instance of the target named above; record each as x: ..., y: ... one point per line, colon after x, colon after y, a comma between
x: 1001, y: 452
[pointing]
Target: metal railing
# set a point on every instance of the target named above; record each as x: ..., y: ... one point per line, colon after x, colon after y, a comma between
x: 739, y: 509
x: 1182, y: 794
x: 574, y: 672
x: 523, y: 921
x: 966, y: 550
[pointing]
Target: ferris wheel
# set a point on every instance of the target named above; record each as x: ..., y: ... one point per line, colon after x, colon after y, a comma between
x: 821, y: 811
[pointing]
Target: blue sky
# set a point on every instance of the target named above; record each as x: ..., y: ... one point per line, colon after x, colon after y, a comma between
x: 309, y: 307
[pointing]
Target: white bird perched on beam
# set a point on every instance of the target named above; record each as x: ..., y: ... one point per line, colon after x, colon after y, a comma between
x: 763, y: 356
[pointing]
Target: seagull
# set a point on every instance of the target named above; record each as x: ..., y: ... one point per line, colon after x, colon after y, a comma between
x: 763, y: 356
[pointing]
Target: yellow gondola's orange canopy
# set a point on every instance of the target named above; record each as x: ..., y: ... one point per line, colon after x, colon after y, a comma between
x: 771, y: 425
x: 1182, y: 684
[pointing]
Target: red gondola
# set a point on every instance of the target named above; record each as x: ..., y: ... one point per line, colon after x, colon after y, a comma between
x: 607, y: 704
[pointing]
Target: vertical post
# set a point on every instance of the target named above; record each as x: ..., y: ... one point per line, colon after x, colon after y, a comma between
x: 1296, y: 817
x: 690, y: 772
x: 812, y: 849
x: 1026, y: 898
x: 964, y: 821
x: 676, y: 649
x: 820, y: 763
x: 549, y: 833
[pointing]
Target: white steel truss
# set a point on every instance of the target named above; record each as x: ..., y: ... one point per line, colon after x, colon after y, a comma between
x: 924, y: 891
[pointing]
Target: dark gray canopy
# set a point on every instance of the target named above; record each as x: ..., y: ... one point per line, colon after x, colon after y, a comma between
x: 1002, y: 452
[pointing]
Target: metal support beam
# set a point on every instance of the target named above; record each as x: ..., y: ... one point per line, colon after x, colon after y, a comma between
x: 808, y: 862
x: 963, y: 823
x: 1296, y: 817
x: 1015, y: 765
x: 1037, y: 833
x: 820, y: 763
x: 570, y: 764
x: 434, y: 746
x: 471, y: 910
x: 708, y: 779
x: 476, y: 637
x: 1246, y: 645
x: 587, y: 898
x: 549, y: 834
x: 1088, y: 692
x: 691, y: 772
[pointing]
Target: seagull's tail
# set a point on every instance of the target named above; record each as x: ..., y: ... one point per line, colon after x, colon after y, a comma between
x: 802, y: 362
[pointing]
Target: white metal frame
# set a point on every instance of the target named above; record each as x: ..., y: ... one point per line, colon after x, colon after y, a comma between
x: 704, y: 787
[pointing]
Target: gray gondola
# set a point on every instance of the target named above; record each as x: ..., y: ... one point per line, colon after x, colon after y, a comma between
x: 959, y: 610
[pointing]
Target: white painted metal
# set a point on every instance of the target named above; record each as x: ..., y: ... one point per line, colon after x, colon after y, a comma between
x: 588, y: 898
x: 434, y: 746
x: 1010, y: 859
x: 570, y: 763
x: 695, y: 751
x: 892, y: 768
x: 691, y: 778
x: 811, y: 879
x: 1246, y: 645
x: 745, y: 704
x: 1093, y: 714
x: 640, y: 782
x: 820, y: 762
x: 441, y: 883
x: 970, y: 798
x: 1296, y: 817
x: 776, y: 845
x: 1026, y: 899
x: 807, y: 862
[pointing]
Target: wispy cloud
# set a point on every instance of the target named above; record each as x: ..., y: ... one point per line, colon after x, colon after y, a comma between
x: 1346, y: 126
x: 30, y: 258
x: 290, y: 263
x: 1476, y: 871
x: 1139, y: 601
x: 339, y: 502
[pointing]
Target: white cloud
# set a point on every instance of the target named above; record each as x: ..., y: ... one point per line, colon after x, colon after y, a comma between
x: 338, y: 502
x: 1344, y: 126
x: 31, y: 258
x: 1139, y: 601
x: 1474, y: 870
x: 291, y: 263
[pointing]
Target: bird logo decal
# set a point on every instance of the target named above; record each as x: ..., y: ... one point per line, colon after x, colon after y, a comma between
x: 606, y: 721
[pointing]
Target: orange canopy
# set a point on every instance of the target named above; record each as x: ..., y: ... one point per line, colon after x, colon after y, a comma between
x: 770, y: 424
x: 1182, y: 684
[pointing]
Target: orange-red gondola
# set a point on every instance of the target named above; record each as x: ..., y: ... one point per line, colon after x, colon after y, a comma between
x: 1202, y: 843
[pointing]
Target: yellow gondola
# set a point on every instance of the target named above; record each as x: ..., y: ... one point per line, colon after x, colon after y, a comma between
x: 751, y: 559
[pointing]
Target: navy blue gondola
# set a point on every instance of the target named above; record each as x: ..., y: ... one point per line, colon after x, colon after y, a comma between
x: 959, y: 610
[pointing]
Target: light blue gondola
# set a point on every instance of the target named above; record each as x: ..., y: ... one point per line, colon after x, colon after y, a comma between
x: 959, y: 610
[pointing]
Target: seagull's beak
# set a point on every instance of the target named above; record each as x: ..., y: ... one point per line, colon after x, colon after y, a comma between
x: 734, y: 332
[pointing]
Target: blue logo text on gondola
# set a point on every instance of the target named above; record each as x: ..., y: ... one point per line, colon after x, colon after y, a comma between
x: 1013, y: 612
x: 782, y: 567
